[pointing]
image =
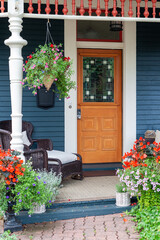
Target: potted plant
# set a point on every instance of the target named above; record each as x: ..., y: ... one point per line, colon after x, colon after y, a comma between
x: 141, y: 171
x: 30, y: 191
x: 52, y: 185
x: 20, y: 187
x: 122, y: 195
x: 48, y: 65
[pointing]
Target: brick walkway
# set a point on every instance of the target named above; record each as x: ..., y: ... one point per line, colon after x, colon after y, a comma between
x: 109, y: 227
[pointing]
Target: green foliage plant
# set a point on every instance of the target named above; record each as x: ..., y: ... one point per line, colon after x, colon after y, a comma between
x: 29, y: 190
x: 3, y: 199
x: 148, y: 222
x: 49, y: 64
x: 51, y: 181
x: 8, y: 236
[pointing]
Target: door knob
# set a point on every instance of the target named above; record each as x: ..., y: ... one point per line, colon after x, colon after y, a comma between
x: 79, y: 114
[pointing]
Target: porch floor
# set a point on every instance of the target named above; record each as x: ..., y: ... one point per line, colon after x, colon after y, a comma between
x: 90, y: 188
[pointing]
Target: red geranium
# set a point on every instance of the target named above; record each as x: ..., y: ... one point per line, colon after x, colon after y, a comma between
x: 10, y: 166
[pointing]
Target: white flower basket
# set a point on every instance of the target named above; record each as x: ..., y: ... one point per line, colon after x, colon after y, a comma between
x: 39, y: 208
x: 123, y: 199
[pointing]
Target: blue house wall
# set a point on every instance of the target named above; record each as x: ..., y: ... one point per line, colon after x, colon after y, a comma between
x: 48, y: 123
x: 148, y: 77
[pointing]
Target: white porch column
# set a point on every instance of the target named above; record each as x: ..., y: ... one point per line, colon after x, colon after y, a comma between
x: 129, y: 85
x: 71, y: 104
x: 16, y: 42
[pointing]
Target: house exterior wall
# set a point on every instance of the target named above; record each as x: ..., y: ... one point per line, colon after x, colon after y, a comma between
x: 48, y: 123
x: 148, y: 77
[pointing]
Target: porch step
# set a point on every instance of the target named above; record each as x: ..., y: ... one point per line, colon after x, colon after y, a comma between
x: 69, y: 210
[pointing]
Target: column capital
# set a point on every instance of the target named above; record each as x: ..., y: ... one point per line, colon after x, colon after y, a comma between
x: 15, y: 28
x: 15, y: 8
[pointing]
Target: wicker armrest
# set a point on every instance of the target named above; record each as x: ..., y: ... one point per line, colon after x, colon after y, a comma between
x: 79, y: 156
x: 26, y: 148
x: 55, y: 160
x: 39, y: 158
x: 44, y: 143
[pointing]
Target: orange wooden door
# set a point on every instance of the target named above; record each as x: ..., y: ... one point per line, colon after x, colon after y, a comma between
x: 99, y: 105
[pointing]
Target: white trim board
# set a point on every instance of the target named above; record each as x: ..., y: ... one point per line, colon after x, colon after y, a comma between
x: 129, y: 83
x: 100, y: 45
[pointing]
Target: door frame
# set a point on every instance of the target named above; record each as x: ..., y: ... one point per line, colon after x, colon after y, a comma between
x: 128, y: 83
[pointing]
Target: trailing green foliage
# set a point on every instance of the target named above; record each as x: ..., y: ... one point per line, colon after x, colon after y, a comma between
x: 7, y: 236
x: 3, y: 199
x: 149, y: 198
x: 148, y: 222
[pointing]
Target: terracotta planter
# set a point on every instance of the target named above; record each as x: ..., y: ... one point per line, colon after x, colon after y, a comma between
x: 1, y: 226
x: 123, y: 199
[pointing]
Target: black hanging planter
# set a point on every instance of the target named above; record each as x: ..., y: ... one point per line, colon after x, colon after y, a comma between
x: 11, y: 223
x: 46, y: 98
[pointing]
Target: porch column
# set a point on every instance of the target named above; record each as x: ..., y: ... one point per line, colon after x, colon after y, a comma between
x: 15, y: 43
x: 129, y: 86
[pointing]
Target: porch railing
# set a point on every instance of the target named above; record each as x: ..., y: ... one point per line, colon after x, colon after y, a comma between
x: 91, y: 8
x: 86, y: 7
x: 2, y: 8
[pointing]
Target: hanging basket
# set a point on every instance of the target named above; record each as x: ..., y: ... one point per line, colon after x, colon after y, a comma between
x: 48, y: 82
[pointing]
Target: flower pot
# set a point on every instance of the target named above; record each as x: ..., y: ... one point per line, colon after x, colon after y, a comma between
x: 1, y: 226
x: 123, y: 199
x: 39, y: 208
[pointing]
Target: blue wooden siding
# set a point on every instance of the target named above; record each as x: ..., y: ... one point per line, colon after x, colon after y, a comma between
x: 48, y: 123
x: 148, y: 77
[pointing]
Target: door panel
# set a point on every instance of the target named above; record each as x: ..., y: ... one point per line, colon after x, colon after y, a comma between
x: 99, y: 99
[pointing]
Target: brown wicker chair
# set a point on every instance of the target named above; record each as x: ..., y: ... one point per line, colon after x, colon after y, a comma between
x: 39, y: 156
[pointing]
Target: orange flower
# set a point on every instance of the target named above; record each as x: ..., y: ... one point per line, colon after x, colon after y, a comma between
x: 11, y: 176
x: 18, y: 165
x: 21, y: 161
x: 13, y: 180
x: 124, y: 219
x: 8, y: 182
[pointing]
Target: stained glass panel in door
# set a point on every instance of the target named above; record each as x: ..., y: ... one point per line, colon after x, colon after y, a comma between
x: 98, y: 79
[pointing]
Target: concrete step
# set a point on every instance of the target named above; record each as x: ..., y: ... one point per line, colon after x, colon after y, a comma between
x: 69, y: 210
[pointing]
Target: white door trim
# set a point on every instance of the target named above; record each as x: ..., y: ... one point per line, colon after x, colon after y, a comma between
x: 129, y: 83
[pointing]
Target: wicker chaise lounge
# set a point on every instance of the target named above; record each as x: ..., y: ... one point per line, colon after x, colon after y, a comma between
x: 43, y: 156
